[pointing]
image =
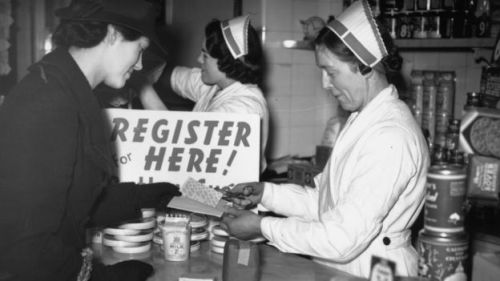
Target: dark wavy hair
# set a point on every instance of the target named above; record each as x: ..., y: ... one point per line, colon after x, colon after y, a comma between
x: 87, y: 34
x: 391, y: 62
x: 246, y: 69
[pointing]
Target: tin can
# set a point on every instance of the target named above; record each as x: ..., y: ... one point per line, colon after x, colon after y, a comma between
x: 405, y: 27
x: 445, y: 97
x: 423, y: 5
x: 429, y: 96
x: 442, y: 121
x: 420, y: 30
x: 417, y: 96
x: 418, y: 116
x: 443, y: 258
x: 438, y: 156
x: 176, y: 233
x: 453, y: 134
x: 429, y: 124
x: 434, y: 24
x: 444, y: 208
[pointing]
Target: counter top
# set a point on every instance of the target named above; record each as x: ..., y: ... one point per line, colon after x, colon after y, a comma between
x: 275, y: 265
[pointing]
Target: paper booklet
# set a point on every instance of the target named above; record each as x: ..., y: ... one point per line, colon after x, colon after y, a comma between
x: 199, y: 198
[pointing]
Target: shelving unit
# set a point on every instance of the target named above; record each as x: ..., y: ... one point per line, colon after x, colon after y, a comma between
x: 438, y: 44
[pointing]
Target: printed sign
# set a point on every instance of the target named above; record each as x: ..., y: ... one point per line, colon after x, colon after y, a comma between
x: 217, y: 149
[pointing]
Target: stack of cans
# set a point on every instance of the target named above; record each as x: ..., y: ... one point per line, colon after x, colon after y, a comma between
x: 443, y: 243
x: 432, y: 102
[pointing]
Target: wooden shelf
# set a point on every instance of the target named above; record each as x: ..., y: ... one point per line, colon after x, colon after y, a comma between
x: 445, y: 44
x: 438, y: 44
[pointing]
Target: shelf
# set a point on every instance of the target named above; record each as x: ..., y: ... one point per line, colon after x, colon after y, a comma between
x: 301, y: 45
x: 438, y: 44
x: 445, y: 44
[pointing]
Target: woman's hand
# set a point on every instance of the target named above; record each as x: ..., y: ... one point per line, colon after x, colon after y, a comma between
x: 245, y: 195
x: 242, y: 224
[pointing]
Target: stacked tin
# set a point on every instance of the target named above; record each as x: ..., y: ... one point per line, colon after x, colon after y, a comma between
x: 443, y: 244
x: 432, y: 103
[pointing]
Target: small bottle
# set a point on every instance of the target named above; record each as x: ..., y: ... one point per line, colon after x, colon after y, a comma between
x: 438, y: 155
x: 456, y: 158
x: 474, y: 100
x: 452, y: 135
x: 176, y: 232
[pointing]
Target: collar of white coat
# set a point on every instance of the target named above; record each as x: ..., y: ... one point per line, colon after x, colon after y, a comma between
x: 387, y: 93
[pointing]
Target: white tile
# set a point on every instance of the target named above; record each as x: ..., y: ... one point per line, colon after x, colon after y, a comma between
x: 426, y: 60
x: 278, y: 144
x: 279, y: 104
x: 304, y: 79
x: 303, y: 141
x: 302, y: 10
x: 278, y: 79
x: 303, y: 111
x: 336, y: 7
x: 280, y: 118
x: 324, y: 9
x: 303, y: 57
x: 279, y: 15
x: 452, y: 60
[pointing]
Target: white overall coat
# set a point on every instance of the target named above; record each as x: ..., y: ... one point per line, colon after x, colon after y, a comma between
x: 236, y: 98
x: 372, y: 188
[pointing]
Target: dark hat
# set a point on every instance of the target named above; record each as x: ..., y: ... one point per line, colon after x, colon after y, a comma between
x: 138, y: 15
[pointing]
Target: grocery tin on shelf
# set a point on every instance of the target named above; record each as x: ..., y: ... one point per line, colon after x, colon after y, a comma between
x: 443, y: 258
x: 444, y: 208
x: 484, y: 178
x: 445, y: 97
x: 480, y: 132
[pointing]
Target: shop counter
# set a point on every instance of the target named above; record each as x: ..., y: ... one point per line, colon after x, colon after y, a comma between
x: 207, y: 265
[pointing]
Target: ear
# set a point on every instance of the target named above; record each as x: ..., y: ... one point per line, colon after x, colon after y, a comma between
x: 112, y: 34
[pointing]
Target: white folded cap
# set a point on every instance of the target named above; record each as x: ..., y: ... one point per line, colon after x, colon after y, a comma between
x: 357, y: 28
x: 235, y: 33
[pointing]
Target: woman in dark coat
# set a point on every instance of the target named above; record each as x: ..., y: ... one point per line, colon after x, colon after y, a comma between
x: 55, y: 163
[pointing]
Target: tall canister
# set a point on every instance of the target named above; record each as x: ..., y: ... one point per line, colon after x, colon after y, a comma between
x: 443, y: 258
x: 444, y: 208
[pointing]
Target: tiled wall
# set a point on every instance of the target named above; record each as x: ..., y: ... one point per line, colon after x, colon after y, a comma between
x: 299, y: 106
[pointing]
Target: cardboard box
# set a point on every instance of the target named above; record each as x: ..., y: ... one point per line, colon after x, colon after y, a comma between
x: 483, y: 177
x: 480, y: 132
x: 303, y: 174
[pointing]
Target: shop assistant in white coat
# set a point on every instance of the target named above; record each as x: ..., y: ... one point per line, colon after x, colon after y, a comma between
x: 227, y: 81
x: 372, y: 188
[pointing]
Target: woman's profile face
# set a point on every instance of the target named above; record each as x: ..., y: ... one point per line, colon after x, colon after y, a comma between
x: 123, y: 58
x: 210, y: 73
x: 342, y: 79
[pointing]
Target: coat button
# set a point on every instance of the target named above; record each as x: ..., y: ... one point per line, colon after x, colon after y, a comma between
x: 386, y: 241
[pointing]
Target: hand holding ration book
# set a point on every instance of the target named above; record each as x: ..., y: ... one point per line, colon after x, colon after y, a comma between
x: 199, y: 198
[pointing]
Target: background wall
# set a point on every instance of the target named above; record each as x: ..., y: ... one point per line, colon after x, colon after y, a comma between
x: 299, y: 106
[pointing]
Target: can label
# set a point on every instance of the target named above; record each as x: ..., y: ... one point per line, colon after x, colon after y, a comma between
x: 444, y: 202
x: 442, y: 258
x: 445, y: 98
x: 417, y: 94
x: 442, y: 121
x: 429, y: 123
x: 176, y: 234
x: 429, y: 97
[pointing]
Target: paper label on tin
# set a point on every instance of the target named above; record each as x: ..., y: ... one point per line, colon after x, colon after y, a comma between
x: 442, y: 260
x: 176, y: 245
x: 244, y: 254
